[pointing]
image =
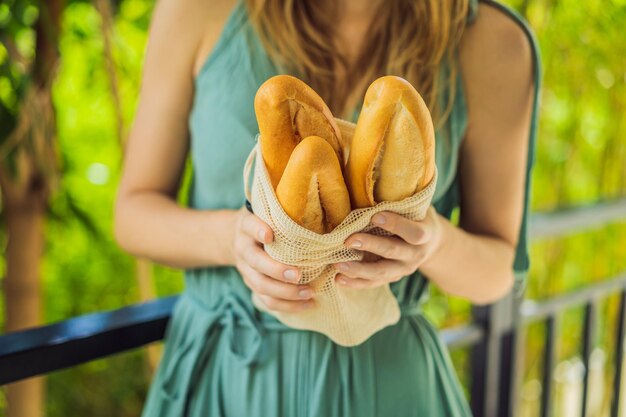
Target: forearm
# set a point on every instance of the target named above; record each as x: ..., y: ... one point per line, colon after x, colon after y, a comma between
x: 153, y: 226
x: 468, y: 265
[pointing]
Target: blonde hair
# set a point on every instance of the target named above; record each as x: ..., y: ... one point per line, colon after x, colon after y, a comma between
x: 408, y: 38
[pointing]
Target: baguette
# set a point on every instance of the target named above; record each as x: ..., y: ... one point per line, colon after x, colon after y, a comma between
x: 287, y: 111
x: 392, y: 154
x: 312, y: 190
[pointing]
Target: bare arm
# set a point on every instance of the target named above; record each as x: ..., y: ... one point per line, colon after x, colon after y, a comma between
x: 476, y: 260
x: 148, y: 221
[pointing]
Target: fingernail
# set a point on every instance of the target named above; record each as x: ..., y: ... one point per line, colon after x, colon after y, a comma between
x: 261, y: 235
x: 379, y: 219
x: 343, y: 266
x: 342, y: 281
x: 290, y: 275
x: 304, y: 294
x: 356, y: 244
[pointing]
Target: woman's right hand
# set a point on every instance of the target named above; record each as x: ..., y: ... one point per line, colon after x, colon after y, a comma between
x: 273, y: 282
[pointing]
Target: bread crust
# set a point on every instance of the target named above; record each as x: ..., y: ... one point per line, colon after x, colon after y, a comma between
x: 312, y: 190
x: 392, y: 154
x: 287, y: 111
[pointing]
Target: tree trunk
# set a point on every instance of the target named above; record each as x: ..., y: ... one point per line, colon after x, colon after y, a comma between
x: 22, y: 290
x: 25, y: 192
x: 25, y: 199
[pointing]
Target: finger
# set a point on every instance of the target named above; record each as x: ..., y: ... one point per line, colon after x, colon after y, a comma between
x: 384, y: 270
x: 390, y: 247
x: 256, y: 228
x: 260, y: 261
x: 264, y: 285
x: 412, y: 232
x: 358, y: 283
x: 275, y: 304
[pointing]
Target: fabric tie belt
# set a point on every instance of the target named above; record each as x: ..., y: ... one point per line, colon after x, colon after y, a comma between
x: 230, y: 313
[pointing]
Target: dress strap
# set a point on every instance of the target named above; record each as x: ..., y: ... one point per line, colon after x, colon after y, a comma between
x: 472, y: 11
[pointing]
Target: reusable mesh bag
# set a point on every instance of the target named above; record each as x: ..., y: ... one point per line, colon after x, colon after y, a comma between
x: 347, y: 316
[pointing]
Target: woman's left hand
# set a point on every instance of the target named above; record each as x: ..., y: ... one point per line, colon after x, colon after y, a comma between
x: 412, y: 244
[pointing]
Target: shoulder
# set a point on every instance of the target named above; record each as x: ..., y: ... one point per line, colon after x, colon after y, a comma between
x: 184, y: 27
x: 192, y: 15
x: 497, y: 36
x: 496, y: 63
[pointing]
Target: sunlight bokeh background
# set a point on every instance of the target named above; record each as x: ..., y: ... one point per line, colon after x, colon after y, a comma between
x: 581, y: 159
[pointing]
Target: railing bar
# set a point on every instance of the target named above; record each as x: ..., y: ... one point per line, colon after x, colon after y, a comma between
x: 569, y: 221
x: 619, y: 356
x: 532, y: 311
x: 589, y: 334
x: 549, y: 356
x: 479, y: 358
x: 517, y: 369
x: 84, y: 327
x: 81, y: 339
x: 508, y: 360
x: 461, y: 336
x: 511, y: 363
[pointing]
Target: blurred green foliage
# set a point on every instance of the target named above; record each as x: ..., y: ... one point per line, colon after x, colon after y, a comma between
x: 581, y: 158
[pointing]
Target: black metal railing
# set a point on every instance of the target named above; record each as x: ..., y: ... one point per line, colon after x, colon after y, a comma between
x: 494, y: 335
x: 496, y: 362
x: 82, y: 339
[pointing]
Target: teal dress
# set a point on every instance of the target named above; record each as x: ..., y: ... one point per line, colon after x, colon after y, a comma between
x: 223, y: 357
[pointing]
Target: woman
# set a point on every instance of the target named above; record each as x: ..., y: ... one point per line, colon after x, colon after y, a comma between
x: 476, y: 65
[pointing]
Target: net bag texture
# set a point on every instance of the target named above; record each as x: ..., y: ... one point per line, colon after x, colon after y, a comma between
x: 347, y: 316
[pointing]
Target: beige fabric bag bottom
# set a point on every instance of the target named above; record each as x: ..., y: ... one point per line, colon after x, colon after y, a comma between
x: 347, y: 316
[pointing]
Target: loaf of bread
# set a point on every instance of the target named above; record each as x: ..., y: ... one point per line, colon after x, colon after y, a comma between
x: 288, y: 110
x: 312, y: 190
x: 392, y: 153
x: 303, y: 152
